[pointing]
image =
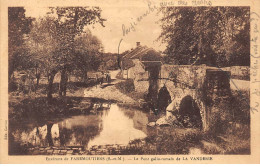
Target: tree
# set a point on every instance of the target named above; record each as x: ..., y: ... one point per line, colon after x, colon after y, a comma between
x: 18, y: 26
x: 70, y: 23
x: 52, y: 40
x: 42, y: 44
x: 88, y: 52
x: 216, y: 36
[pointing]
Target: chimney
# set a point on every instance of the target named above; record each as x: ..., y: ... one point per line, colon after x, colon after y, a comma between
x: 137, y: 44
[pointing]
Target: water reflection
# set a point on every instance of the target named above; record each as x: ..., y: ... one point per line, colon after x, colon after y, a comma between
x: 118, y: 129
x: 115, y: 125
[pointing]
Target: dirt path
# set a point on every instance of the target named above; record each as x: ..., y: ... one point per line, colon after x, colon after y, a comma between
x: 108, y: 92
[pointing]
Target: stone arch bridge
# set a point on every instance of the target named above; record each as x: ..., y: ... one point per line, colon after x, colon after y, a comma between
x: 203, y: 84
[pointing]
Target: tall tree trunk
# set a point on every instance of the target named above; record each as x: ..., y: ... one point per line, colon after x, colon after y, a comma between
x: 62, y: 135
x: 37, y: 75
x: 85, y: 76
x: 49, y: 136
x: 63, y: 83
x: 37, y: 81
x: 50, y: 84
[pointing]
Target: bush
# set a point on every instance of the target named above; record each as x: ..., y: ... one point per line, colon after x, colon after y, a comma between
x: 240, y: 106
x: 126, y: 86
x: 218, y: 125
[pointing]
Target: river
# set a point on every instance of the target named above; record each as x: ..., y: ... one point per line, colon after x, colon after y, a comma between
x: 107, y: 126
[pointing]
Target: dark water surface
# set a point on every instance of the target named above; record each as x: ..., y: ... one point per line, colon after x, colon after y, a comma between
x: 110, y: 125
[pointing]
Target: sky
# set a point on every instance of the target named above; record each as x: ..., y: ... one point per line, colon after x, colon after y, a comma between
x: 119, y: 17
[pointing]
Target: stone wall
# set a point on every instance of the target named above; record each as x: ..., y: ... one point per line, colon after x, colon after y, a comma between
x: 137, y: 72
x: 140, y: 76
x: 186, y: 75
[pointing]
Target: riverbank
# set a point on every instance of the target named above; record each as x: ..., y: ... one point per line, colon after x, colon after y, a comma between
x: 109, y: 92
x: 79, y: 100
x: 34, y: 106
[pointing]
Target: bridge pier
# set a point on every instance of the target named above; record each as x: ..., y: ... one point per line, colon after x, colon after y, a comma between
x: 217, y: 95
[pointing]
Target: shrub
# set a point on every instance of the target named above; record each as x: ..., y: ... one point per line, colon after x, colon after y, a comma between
x: 126, y: 86
x: 240, y: 106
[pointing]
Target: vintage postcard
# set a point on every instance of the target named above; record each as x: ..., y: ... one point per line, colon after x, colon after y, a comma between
x: 141, y: 81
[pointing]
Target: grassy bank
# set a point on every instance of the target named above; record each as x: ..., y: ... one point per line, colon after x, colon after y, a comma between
x: 33, y: 105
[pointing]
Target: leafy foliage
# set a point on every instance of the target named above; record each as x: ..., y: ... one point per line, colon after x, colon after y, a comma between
x: 216, y: 36
x: 70, y: 22
x: 43, y: 43
x: 18, y: 26
x: 88, y: 52
x: 57, y: 42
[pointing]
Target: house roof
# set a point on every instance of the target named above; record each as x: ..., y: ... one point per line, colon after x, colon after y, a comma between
x: 141, y: 52
x: 135, y: 52
x: 148, y: 56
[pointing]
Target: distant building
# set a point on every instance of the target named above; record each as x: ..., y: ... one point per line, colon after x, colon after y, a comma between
x: 141, y: 64
x: 136, y: 63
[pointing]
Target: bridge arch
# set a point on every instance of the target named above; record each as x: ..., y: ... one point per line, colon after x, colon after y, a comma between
x: 179, y: 94
x: 164, y: 98
x: 189, y: 112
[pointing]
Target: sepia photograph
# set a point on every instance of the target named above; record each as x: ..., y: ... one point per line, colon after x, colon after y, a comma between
x: 150, y: 79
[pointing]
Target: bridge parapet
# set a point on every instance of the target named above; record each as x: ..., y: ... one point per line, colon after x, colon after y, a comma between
x: 185, y: 75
